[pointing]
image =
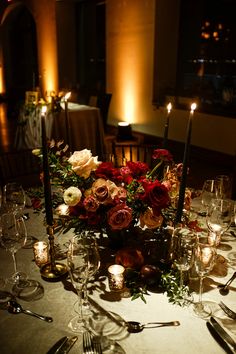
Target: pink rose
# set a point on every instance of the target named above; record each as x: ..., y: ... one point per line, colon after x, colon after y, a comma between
x: 119, y: 217
x: 90, y: 203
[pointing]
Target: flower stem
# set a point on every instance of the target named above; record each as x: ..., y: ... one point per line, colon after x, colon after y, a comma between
x: 154, y: 169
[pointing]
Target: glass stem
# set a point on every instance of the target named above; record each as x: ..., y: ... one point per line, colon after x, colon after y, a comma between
x: 79, y: 303
x: 85, y: 295
x: 200, y: 290
x: 181, y: 281
x: 14, y: 261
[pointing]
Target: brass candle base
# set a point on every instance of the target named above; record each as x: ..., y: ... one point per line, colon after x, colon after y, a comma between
x: 53, y: 273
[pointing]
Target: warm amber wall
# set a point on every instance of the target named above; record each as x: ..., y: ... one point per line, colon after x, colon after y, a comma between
x: 130, y: 48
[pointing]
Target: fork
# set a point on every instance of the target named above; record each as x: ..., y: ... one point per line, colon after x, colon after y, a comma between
x: 230, y: 313
x: 87, y: 343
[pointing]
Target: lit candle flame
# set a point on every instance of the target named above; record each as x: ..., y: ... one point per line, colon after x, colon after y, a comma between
x: 193, y: 107
x: 169, y: 107
x: 44, y: 110
x: 67, y: 96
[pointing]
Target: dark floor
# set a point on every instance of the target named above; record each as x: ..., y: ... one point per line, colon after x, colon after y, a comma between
x: 204, y: 164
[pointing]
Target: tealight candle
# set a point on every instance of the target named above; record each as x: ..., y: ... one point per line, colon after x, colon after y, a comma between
x: 116, y: 277
x: 40, y: 249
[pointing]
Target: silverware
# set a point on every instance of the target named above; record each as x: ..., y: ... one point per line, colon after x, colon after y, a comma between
x: 15, y: 308
x: 219, y: 339
x: 63, y: 345
x: 135, y: 327
x: 222, y: 333
x: 57, y: 345
x: 230, y: 313
x: 224, y: 289
x: 66, y: 347
x: 87, y: 343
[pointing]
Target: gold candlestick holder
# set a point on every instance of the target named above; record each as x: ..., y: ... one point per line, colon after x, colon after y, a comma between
x: 53, y: 270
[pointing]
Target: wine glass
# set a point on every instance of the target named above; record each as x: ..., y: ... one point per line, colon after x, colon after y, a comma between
x: 224, y: 185
x: 204, y: 260
x: 218, y: 218
x: 184, y: 241
x: 78, y: 265
x: 90, y: 243
x: 14, y: 197
x: 207, y: 194
x: 13, y: 236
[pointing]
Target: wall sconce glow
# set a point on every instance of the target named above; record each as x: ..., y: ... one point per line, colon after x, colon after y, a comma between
x: 1, y: 80
x: 193, y: 107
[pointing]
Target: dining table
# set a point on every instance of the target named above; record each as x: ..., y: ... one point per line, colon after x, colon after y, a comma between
x: 78, y: 125
x: 21, y: 333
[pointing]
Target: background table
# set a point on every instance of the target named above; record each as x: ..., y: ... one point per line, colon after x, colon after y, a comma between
x: 25, y: 334
x: 85, y: 128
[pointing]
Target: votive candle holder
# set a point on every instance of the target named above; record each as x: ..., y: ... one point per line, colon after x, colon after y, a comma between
x: 41, y: 254
x: 116, y: 277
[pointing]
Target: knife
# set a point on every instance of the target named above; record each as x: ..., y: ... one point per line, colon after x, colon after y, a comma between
x: 219, y: 339
x: 220, y: 330
x: 57, y: 345
x: 67, y: 345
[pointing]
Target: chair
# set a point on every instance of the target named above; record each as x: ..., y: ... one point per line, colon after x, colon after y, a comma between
x: 19, y: 166
x: 133, y: 151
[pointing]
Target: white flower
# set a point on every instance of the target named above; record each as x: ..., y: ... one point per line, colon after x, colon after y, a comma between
x: 36, y: 152
x: 72, y: 196
x: 83, y: 163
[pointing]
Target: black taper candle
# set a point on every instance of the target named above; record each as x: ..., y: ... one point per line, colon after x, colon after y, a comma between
x: 169, y: 107
x: 46, y: 173
x: 182, y: 187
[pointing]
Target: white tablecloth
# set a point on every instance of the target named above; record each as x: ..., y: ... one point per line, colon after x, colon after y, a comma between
x: 26, y: 334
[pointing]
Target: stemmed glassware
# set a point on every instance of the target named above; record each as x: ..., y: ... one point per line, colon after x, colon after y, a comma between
x: 14, y: 197
x: 224, y: 185
x: 90, y: 243
x: 204, y: 260
x: 219, y: 218
x: 208, y: 193
x: 184, y: 241
x: 78, y: 266
x: 13, y: 236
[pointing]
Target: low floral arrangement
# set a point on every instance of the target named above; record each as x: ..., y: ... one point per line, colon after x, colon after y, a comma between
x: 96, y: 195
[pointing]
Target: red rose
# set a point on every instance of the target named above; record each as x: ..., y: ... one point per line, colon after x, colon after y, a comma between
x: 137, y: 168
x: 119, y: 217
x: 156, y: 195
x: 162, y: 154
x: 108, y: 171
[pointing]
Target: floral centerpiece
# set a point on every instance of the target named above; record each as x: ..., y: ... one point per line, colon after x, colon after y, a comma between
x: 98, y: 196
x: 101, y: 196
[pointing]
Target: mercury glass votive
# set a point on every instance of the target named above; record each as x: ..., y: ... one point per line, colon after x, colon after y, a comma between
x: 41, y: 254
x: 116, y: 277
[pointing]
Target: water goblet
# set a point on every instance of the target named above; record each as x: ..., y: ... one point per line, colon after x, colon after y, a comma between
x: 13, y: 236
x: 77, y: 261
x: 184, y: 241
x: 204, y: 260
x: 218, y: 218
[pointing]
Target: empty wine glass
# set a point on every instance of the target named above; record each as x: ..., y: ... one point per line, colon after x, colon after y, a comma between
x: 90, y: 243
x: 14, y: 197
x: 13, y: 236
x: 184, y: 241
x: 224, y: 187
x: 218, y: 218
x: 208, y: 193
x: 204, y: 260
x: 77, y: 261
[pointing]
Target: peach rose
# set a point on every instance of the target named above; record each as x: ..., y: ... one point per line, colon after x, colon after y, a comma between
x: 83, y: 163
x: 119, y: 217
x: 150, y: 220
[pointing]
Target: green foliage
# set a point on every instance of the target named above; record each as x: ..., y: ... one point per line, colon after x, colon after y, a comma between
x: 176, y: 294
